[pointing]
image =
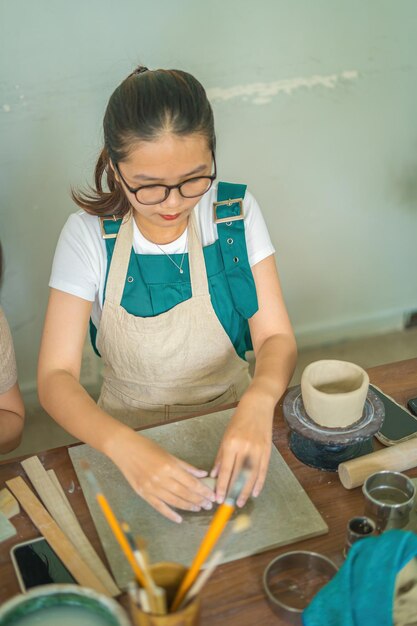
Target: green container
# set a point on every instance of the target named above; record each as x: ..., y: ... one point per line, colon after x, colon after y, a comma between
x: 62, y: 604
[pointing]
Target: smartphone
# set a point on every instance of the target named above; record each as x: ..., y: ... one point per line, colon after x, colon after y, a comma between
x: 412, y: 405
x: 35, y: 563
x: 399, y: 424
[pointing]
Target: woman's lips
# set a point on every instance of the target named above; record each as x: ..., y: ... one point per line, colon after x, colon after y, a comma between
x: 170, y: 217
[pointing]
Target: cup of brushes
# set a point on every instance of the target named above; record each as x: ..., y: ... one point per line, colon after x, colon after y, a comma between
x: 168, y: 594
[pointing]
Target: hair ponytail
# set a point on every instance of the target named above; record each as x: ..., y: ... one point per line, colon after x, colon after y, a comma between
x: 98, y: 201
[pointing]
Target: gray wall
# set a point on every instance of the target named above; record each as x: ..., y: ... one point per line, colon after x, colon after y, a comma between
x: 315, y: 104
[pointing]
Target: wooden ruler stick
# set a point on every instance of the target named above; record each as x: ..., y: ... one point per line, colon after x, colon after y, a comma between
x: 54, y: 499
x: 58, y: 541
x: 9, y: 506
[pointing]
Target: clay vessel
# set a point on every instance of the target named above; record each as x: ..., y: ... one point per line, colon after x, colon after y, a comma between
x: 334, y: 392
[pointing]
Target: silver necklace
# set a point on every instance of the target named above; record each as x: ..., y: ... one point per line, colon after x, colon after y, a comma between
x: 170, y: 257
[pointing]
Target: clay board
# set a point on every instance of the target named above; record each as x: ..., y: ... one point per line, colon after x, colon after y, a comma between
x: 282, y: 514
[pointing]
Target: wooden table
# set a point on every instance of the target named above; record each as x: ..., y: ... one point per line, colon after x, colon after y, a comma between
x: 234, y: 595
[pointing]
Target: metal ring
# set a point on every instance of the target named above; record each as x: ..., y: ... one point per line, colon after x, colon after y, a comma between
x: 130, y: 279
x: 228, y: 223
x: 309, y: 562
x: 235, y: 259
x: 229, y: 241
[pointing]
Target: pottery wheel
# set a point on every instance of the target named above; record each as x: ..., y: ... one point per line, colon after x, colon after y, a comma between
x: 324, y: 448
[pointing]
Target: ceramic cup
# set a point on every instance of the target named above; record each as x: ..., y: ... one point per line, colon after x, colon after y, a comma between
x: 389, y: 498
x: 334, y: 392
x: 168, y: 576
x: 358, y: 528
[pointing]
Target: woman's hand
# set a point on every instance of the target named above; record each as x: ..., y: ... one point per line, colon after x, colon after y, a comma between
x: 160, y: 478
x: 248, y: 436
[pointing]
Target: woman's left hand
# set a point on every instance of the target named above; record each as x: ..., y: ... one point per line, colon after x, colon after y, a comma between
x: 248, y: 436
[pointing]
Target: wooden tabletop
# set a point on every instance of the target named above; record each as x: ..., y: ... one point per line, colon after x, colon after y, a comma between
x: 234, y: 595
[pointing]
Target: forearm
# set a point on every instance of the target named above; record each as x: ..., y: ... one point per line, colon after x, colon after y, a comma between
x: 275, y: 364
x: 11, y: 427
x: 69, y: 404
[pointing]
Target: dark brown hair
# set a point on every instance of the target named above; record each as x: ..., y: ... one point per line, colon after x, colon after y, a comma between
x: 145, y: 105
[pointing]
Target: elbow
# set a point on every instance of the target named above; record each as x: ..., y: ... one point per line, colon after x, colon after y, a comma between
x: 42, y: 396
x: 11, y: 444
x: 44, y: 383
x: 14, y: 423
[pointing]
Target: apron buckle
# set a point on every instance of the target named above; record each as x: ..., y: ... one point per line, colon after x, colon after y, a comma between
x: 231, y: 218
x: 103, y: 230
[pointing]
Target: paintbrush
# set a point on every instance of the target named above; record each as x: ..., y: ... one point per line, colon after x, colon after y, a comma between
x: 217, y: 525
x: 156, y: 594
x: 240, y: 524
x: 112, y: 521
x: 138, y: 597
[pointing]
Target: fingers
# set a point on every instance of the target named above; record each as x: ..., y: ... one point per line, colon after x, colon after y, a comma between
x: 164, y: 509
x: 214, y: 472
x: 194, y: 471
x: 229, y: 470
x: 248, y: 486
x: 224, y: 477
x: 261, y: 476
x: 177, y: 501
x: 193, y: 485
x: 183, y: 497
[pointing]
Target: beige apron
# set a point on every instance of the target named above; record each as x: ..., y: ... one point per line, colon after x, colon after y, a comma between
x: 178, y: 362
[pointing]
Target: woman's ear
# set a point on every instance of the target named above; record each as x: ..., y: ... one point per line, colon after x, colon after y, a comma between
x: 114, y: 170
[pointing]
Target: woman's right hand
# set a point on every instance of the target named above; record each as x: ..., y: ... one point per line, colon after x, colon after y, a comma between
x: 161, y: 479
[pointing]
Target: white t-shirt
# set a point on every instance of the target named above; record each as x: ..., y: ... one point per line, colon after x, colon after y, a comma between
x: 80, y: 260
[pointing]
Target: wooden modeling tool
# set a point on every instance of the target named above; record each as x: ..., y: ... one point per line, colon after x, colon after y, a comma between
x: 57, y: 539
x: 113, y: 522
x: 54, y: 499
x: 156, y: 595
x: 214, y: 531
x: 400, y: 457
x: 9, y: 506
x: 240, y: 524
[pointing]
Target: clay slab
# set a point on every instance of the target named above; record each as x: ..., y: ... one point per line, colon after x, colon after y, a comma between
x: 282, y: 514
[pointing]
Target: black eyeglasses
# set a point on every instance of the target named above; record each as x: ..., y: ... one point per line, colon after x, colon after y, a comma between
x: 155, y: 194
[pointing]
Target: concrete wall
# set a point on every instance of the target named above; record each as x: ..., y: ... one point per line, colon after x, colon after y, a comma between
x: 315, y: 108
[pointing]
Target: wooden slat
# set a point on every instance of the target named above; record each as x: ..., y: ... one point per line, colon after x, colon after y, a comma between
x: 9, y: 506
x: 58, y: 541
x: 55, y: 500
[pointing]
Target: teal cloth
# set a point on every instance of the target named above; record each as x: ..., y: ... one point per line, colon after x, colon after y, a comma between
x: 362, y: 591
x: 154, y: 285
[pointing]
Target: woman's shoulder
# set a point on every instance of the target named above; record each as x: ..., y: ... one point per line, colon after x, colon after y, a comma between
x: 80, y: 221
x: 81, y: 237
x: 251, y: 207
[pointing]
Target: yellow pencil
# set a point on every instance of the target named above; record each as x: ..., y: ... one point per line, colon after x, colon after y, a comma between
x: 112, y: 522
x: 241, y: 523
x: 218, y: 523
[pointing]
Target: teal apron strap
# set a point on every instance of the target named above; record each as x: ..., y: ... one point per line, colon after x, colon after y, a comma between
x: 109, y: 227
x: 229, y: 218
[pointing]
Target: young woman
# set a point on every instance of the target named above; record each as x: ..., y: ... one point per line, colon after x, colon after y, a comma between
x: 177, y: 288
x: 12, y: 411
